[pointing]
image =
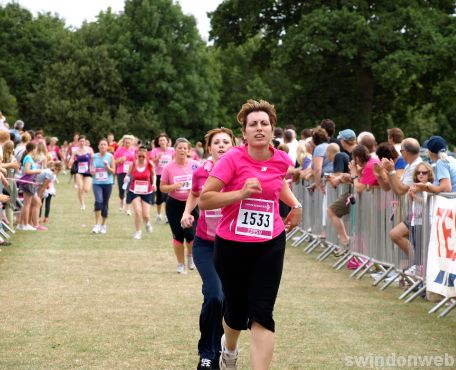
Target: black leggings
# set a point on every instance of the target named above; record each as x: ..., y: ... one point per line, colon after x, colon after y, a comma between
x: 159, y: 196
x: 47, y: 205
x: 250, y: 274
x: 174, y: 211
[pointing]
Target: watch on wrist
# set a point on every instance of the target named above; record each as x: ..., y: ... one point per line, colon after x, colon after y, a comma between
x: 354, y: 177
x: 299, y: 205
x: 392, y: 172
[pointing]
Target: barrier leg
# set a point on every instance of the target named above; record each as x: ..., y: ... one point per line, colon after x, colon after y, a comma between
x: 298, y: 241
x: 384, y: 275
x: 292, y: 232
x: 366, y: 269
x: 7, y: 227
x: 448, y: 309
x: 418, y: 293
x: 360, y: 267
x: 440, y: 304
x: 312, y: 247
x: 329, y: 249
x: 343, y: 261
x: 4, y: 233
x: 411, y: 289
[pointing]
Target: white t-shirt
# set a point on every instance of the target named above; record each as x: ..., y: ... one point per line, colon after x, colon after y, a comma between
x: 407, y: 175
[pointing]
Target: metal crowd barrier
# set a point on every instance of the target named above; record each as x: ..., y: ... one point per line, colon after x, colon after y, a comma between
x: 372, y: 217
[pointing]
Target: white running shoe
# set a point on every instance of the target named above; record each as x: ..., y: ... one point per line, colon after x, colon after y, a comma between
x: 128, y: 213
x: 83, y: 207
x: 181, y: 269
x: 159, y: 219
x: 190, y: 264
x: 19, y: 227
x: 28, y: 228
x: 227, y: 360
x: 149, y: 227
x: 103, y: 229
x: 96, y: 229
x: 138, y: 235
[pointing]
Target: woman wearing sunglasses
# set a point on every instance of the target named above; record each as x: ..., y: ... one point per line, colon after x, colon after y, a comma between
x: 141, y: 182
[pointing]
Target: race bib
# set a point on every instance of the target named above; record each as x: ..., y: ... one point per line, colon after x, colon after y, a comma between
x: 186, y: 181
x: 141, y: 187
x: 164, y: 160
x: 83, y: 167
x: 126, y: 166
x: 101, y: 174
x: 256, y: 218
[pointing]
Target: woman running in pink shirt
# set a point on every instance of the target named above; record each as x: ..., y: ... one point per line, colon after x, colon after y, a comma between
x: 250, y: 238
x: 176, y: 180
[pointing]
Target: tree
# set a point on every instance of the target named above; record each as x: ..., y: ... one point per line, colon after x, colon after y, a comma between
x: 355, y: 61
x: 8, y: 105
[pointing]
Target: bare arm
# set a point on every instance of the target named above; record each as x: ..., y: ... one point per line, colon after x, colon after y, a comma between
x: 187, y: 217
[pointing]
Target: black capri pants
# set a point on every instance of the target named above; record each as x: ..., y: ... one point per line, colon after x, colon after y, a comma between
x: 174, y: 211
x: 120, y: 183
x: 159, y: 196
x: 250, y: 274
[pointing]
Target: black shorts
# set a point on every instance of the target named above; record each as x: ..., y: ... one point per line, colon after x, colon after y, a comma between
x: 159, y: 196
x: 174, y: 211
x: 144, y: 197
x: 250, y: 274
x: 84, y: 174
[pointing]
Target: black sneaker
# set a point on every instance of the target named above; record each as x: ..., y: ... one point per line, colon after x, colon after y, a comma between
x: 204, y: 364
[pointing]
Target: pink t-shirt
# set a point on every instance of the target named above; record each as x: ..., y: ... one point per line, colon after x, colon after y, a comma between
x: 257, y: 218
x: 130, y: 155
x: 174, y: 173
x: 161, y: 158
x: 367, y: 176
x: 208, y: 219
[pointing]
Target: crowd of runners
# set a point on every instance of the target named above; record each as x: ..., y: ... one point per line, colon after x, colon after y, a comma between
x: 228, y: 205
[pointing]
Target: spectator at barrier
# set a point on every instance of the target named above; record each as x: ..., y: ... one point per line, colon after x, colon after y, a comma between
x: 17, y: 131
x: 388, y: 151
x: 400, y: 184
x: 362, y: 169
x: 278, y: 136
x: 306, y: 135
x: 341, y: 206
x: 28, y: 186
x: 291, y: 143
x: 445, y: 168
x: 422, y: 174
x: 19, y: 150
x: 395, y: 137
x: 4, y: 137
x: 320, y: 162
x: 304, y: 159
x: 368, y: 140
x: 330, y: 128
x: 11, y: 165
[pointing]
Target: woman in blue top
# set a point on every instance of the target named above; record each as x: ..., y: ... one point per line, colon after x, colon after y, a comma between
x: 83, y: 157
x: 445, y: 167
x: 102, y: 170
x: 32, y: 202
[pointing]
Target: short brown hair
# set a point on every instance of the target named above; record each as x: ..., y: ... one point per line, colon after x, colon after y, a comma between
x: 362, y: 153
x: 256, y: 106
x: 396, y: 135
x: 211, y: 133
x: 319, y: 136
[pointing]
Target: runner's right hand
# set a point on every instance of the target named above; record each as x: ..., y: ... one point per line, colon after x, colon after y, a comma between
x: 251, y: 186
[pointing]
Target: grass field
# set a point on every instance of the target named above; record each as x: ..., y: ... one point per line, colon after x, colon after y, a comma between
x: 70, y: 299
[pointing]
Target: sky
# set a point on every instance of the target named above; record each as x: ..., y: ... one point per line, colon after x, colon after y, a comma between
x: 76, y: 11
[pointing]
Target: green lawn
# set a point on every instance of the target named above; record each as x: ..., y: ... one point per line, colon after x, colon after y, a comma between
x: 70, y: 299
